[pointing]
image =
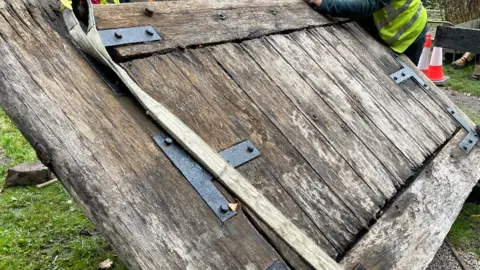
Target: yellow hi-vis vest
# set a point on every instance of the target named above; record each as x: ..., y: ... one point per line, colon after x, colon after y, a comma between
x: 400, y: 23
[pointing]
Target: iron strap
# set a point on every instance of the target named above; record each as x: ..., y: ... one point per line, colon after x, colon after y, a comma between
x: 200, y: 178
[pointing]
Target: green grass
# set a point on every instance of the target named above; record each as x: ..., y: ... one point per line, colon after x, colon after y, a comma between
x: 473, y: 114
x: 460, y: 79
x: 465, y: 232
x: 39, y: 228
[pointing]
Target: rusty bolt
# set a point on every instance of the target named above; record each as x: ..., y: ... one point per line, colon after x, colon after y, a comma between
x: 148, y: 11
x: 118, y: 35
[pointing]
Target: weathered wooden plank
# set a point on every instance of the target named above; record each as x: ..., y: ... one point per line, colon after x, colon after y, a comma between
x: 318, y: 77
x: 202, y: 152
x: 358, y: 156
x: 462, y: 39
x: 100, y: 148
x: 381, y: 63
x: 425, y: 122
x: 373, y: 100
x: 237, y: 114
x: 191, y: 22
x: 162, y: 79
x: 410, y: 232
x: 298, y: 130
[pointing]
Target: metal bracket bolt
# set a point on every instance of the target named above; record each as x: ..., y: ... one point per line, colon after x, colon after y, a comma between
x: 406, y: 73
x: 472, y: 138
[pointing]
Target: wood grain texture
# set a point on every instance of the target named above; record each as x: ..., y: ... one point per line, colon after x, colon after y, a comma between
x: 422, y: 215
x: 412, y: 111
x: 324, y: 119
x: 318, y: 76
x: 203, y: 88
x: 298, y: 130
x: 375, y: 56
x: 202, y: 152
x: 461, y: 39
x: 101, y: 149
x: 191, y: 22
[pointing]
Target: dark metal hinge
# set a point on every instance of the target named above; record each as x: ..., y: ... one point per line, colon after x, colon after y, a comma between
x: 200, y: 178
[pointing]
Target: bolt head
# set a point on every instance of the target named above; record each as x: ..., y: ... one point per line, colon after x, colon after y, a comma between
x: 224, y: 208
x: 221, y: 16
x: 149, y: 32
x: 168, y: 141
x: 118, y: 35
x: 250, y: 149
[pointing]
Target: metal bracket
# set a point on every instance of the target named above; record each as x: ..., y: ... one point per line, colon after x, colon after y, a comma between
x: 278, y: 265
x: 131, y: 35
x: 200, y: 178
x: 406, y: 73
x: 472, y: 137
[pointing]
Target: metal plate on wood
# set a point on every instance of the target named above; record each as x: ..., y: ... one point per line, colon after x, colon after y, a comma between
x: 472, y: 137
x: 278, y: 265
x: 407, y: 73
x: 130, y: 35
x: 201, y: 179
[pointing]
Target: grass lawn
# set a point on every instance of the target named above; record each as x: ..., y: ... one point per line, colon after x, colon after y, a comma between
x: 460, y: 79
x: 465, y: 232
x: 39, y: 228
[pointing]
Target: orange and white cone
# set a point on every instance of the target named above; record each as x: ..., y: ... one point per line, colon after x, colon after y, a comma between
x: 424, y: 61
x: 435, y: 69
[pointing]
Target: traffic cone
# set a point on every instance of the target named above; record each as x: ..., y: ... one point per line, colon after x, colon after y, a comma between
x: 425, y: 57
x: 435, y: 69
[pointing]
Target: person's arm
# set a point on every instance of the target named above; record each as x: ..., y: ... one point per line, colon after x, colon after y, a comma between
x: 349, y: 8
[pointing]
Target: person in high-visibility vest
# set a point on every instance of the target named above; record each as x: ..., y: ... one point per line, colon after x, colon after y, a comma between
x: 401, y: 24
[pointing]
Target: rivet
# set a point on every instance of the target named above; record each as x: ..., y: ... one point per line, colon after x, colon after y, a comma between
x: 224, y: 208
x: 314, y: 117
x: 403, y: 74
x: 395, y: 78
x: 148, y: 11
x: 149, y: 32
x: 250, y: 149
x: 168, y: 141
x: 470, y: 141
x: 221, y: 16
x: 273, y: 11
x: 465, y: 148
x: 117, y: 35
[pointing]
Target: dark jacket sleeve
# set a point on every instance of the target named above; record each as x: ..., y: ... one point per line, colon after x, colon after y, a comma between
x: 352, y: 8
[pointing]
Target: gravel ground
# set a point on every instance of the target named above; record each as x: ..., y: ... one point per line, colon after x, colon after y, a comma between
x: 463, y: 100
x: 444, y: 260
x: 469, y: 260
